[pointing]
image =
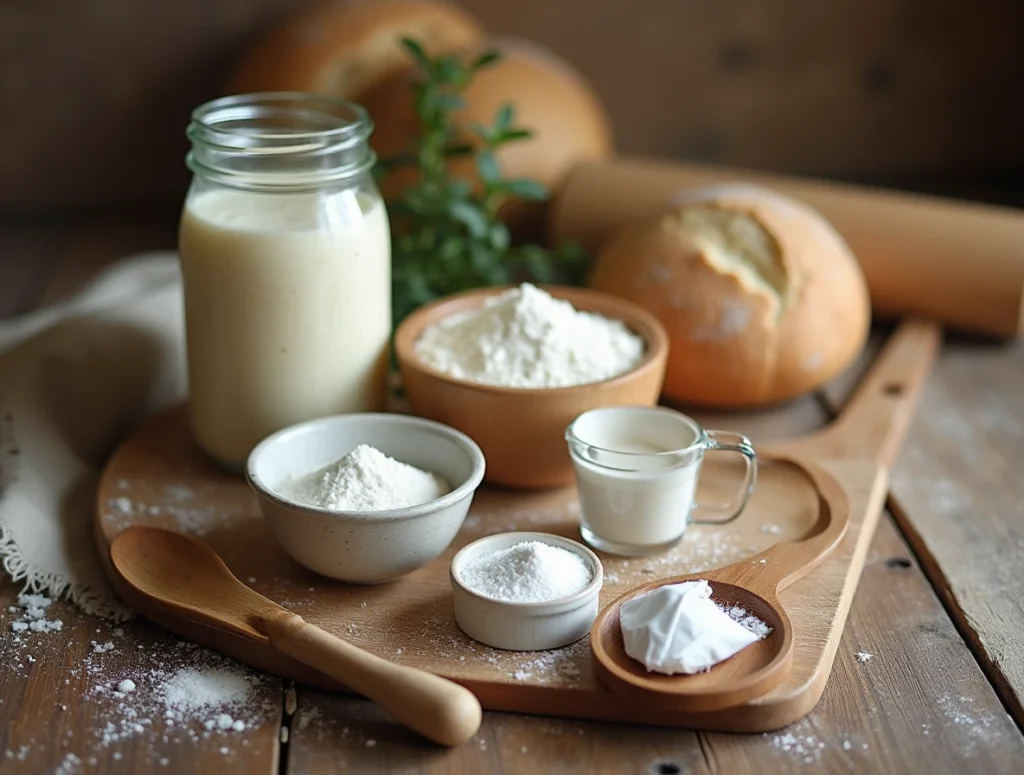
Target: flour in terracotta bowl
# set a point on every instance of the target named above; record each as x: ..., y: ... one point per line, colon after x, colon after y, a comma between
x: 526, y: 338
x: 365, y: 480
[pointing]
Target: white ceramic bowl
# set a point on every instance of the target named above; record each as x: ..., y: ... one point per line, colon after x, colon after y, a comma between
x: 524, y: 626
x: 365, y: 547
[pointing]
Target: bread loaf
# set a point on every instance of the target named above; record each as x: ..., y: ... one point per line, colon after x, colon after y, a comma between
x: 550, y: 98
x: 341, y: 48
x: 761, y: 297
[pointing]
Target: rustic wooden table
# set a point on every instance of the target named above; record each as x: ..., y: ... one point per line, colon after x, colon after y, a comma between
x: 940, y: 607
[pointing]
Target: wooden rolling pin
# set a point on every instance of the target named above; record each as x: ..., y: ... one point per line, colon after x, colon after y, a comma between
x: 956, y: 262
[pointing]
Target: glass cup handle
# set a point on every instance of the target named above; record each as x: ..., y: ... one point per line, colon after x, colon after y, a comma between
x: 726, y: 441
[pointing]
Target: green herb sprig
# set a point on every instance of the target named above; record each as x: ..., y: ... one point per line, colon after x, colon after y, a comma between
x: 446, y: 233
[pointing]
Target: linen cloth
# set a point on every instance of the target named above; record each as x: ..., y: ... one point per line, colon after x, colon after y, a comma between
x: 74, y: 378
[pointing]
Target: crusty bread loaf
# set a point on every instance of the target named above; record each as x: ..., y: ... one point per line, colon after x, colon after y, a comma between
x: 550, y: 98
x: 341, y: 48
x: 761, y: 297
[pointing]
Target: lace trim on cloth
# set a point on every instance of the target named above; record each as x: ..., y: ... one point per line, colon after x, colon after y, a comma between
x: 70, y: 375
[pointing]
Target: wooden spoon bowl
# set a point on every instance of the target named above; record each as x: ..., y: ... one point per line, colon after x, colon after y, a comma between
x: 752, y: 672
x: 752, y: 584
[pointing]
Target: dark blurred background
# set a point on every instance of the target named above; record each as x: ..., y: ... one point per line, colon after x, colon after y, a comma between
x: 921, y: 94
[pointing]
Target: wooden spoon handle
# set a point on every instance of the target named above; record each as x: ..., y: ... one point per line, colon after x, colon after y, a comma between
x: 437, y: 708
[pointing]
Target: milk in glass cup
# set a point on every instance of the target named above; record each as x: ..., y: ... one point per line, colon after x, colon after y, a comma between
x: 637, y: 469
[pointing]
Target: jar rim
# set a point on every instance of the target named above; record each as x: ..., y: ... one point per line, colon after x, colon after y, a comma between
x: 354, y: 126
x: 324, y: 138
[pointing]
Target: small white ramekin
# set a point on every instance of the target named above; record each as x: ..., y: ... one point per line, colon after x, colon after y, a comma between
x: 518, y: 626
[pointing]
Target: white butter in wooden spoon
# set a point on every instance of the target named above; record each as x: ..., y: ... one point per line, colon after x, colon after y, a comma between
x: 678, y: 628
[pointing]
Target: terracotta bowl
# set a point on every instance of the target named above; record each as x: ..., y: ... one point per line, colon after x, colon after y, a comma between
x: 522, y: 430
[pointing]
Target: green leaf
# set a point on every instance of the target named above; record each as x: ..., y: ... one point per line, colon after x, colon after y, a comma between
x: 450, y: 70
x: 513, y: 135
x: 481, y: 131
x: 448, y: 102
x: 451, y: 249
x: 485, y: 59
x: 498, y: 236
x: 488, y: 168
x: 471, y: 216
x: 418, y: 54
x: 481, y: 258
x: 497, y: 274
x: 458, y: 149
x: 524, y: 188
x: 503, y: 119
x: 459, y: 189
x: 445, y: 230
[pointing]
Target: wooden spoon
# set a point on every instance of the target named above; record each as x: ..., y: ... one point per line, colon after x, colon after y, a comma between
x: 189, y: 577
x: 754, y: 585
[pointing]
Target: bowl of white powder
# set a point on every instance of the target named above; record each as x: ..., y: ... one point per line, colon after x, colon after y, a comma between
x: 365, y: 498
x: 512, y: 367
x: 525, y: 591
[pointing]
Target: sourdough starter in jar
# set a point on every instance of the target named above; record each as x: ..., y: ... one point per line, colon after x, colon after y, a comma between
x: 285, y: 256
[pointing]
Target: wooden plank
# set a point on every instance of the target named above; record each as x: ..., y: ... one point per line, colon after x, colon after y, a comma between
x: 59, y: 706
x: 959, y: 500
x: 959, y: 497
x: 97, y: 242
x: 26, y: 255
x: 920, y: 704
x: 856, y: 90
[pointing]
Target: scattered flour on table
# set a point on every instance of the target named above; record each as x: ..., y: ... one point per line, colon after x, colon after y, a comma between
x: 440, y: 638
x: 365, y: 480
x: 212, y: 695
x: 805, y: 748
x: 171, y: 696
x: 69, y: 764
x: 528, y: 572
x: 309, y: 715
x: 526, y: 338
x: 979, y: 725
x: 177, y: 501
x: 800, y: 743
x: 33, y: 615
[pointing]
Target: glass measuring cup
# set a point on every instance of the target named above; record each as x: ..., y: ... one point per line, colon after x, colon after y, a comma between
x: 637, y: 469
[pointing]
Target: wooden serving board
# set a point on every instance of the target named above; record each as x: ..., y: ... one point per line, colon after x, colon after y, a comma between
x: 159, y: 477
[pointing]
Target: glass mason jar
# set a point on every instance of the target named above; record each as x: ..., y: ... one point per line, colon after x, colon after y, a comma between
x: 285, y: 254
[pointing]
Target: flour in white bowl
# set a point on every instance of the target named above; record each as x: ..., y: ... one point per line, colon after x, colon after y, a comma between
x: 365, y: 480
x: 526, y: 338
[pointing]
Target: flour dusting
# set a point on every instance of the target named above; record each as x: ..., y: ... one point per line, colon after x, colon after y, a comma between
x: 33, y: 618
x: 153, y: 699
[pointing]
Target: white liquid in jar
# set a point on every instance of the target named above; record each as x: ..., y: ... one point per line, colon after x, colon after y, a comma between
x: 287, y: 309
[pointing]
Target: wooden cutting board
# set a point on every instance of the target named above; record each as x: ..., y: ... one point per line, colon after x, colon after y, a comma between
x: 158, y: 476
